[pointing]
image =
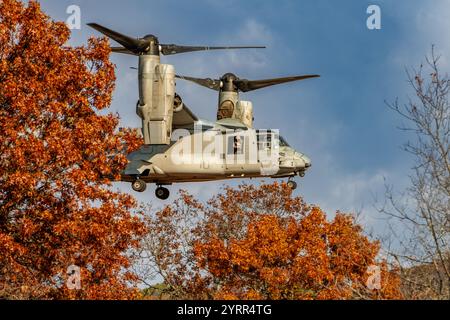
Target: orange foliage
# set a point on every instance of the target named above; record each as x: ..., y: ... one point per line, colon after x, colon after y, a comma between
x: 262, y: 243
x: 56, y: 154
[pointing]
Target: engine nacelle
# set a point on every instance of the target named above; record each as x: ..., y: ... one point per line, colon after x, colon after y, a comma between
x: 244, y: 113
x: 156, y: 100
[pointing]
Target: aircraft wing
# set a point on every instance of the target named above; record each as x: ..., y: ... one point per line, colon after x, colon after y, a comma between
x: 184, y: 119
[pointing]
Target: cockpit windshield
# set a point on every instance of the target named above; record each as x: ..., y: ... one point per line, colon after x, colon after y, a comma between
x: 283, y: 142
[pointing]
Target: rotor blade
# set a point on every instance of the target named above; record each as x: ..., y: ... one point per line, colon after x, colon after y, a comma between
x: 169, y: 49
x: 121, y: 50
x: 132, y: 44
x: 208, y: 83
x: 248, y: 85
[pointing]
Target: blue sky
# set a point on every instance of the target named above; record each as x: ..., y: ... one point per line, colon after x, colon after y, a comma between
x: 340, y: 120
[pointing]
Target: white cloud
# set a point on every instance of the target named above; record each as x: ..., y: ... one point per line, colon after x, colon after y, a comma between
x: 424, y: 24
x: 254, y: 31
x: 250, y: 33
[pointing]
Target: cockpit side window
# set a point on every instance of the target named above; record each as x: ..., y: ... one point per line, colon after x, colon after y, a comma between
x: 264, y: 140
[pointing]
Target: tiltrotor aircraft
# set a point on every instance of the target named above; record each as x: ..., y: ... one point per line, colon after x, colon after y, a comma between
x: 179, y: 147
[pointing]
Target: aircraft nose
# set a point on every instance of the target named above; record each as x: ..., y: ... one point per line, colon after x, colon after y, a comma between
x: 303, y: 162
x: 308, y: 162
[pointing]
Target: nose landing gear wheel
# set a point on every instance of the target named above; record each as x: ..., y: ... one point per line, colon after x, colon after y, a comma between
x: 162, y: 193
x: 139, y: 186
x: 292, y: 184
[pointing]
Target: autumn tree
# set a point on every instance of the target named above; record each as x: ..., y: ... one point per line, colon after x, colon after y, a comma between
x: 420, y: 216
x: 57, y: 154
x: 260, y: 243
